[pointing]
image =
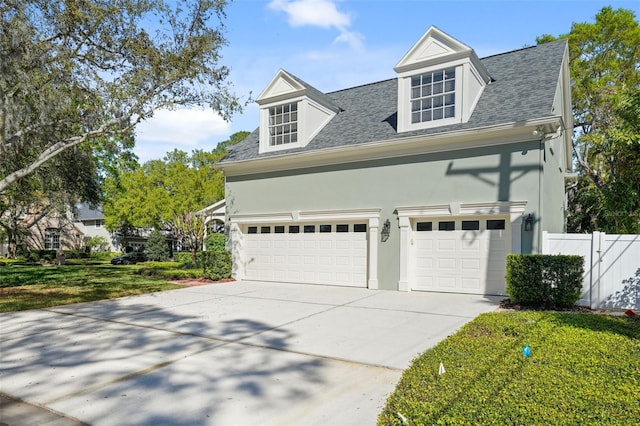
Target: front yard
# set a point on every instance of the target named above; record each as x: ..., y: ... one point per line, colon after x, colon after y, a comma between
x: 35, y: 287
x: 583, y: 369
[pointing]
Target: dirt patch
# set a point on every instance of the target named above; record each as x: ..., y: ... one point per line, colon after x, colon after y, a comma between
x: 199, y: 281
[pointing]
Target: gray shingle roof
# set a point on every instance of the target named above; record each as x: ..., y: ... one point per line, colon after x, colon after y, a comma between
x: 524, y: 88
x: 84, y: 212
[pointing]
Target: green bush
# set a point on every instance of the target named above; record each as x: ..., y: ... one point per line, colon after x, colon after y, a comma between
x: 157, y: 247
x: 544, y: 280
x: 216, y: 264
x: 215, y: 242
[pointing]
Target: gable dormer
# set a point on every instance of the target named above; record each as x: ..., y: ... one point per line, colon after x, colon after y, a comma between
x: 439, y: 82
x: 292, y: 112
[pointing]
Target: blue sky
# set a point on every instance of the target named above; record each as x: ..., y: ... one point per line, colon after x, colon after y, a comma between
x: 336, y: 44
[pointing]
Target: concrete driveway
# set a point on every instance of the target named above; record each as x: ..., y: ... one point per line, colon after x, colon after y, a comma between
x: 240, y: 353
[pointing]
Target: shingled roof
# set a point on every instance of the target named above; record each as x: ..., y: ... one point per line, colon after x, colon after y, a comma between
x: 523, y: 88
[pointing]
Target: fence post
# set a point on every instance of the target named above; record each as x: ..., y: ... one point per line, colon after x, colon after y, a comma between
x: 597, y: 258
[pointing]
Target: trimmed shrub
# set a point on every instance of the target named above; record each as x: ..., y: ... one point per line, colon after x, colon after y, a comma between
x: 216, y: 264
x: 541, y: 280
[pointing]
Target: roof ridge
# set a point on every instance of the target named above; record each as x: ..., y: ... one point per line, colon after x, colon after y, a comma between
x: 522, y: 48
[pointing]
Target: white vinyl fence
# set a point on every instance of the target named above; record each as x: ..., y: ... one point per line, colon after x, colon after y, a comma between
x: 611, y: 266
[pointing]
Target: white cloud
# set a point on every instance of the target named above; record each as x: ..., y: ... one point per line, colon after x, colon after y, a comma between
x: 319, y: 13
x: 184, y: 129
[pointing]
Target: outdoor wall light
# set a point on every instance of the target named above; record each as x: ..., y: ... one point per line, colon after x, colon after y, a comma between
x: 528, y: 223
x: 386, y: 230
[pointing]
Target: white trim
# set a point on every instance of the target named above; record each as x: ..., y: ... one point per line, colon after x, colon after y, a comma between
x: 305, y: 216
x: 464, y: 209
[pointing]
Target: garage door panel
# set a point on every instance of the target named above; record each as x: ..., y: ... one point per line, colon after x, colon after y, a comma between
x: 465, y: 261
x: 469, y: 264
x: 313, y: 257
x: 325, y: 260
x: 448, y: 244
x: 446, y: 282
x: 471, y: 283
x: 447, y: 264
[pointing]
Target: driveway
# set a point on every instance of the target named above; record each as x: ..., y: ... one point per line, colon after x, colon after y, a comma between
x: 239, y: 353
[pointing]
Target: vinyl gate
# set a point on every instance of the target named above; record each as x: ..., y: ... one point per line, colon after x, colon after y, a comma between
x: 611, y: 265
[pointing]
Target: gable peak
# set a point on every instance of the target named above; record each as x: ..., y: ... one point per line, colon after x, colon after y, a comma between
x: 434, y: 46
x: 282, y: 84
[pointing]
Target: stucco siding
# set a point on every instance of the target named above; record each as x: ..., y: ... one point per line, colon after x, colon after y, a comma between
x: 489, y: 174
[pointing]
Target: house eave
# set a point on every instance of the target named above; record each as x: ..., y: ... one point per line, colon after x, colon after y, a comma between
x: 502, y: 134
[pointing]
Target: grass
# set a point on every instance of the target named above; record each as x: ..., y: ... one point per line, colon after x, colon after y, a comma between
x: 35, y: 287
x: 583, y: 369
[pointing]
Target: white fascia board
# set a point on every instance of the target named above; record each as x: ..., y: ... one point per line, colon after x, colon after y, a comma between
x: 306, y: 216
x: 502, y: 134
x: 463, y: 209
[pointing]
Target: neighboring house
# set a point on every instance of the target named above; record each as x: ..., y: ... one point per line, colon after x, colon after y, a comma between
x: 422, y: 182
x: 90, y: 222
x: 53, y: 231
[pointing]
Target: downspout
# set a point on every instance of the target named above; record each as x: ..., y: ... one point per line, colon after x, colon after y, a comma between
x: 540, y: 202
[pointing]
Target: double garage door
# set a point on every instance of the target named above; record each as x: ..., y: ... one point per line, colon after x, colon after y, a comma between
x: 463, y: 255
x: 316, y: 253
x: 457, y: 255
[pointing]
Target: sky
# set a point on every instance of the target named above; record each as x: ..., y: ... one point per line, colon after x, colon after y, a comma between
x: 337, y: 44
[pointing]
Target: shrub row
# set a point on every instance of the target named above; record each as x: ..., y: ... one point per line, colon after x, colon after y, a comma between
x: 545, y: 281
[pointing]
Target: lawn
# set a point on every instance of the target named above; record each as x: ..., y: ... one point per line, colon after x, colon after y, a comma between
x: 34, y: 287
x: 583, y: 369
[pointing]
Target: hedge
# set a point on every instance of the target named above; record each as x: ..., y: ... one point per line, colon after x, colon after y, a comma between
x: 547, y: 281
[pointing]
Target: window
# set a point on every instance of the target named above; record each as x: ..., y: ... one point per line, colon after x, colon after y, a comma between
x: 265, y: 229
x: 283, y: 124
x: 325, y: 228
x: 424, y: 226
x: 448, y: 225
x: 360, y: 227
x: 342, y: 228
x: 252, y: 230
x: 52, y: 239
x: 309, y: 229
x: 433, y: 96
x: 470, y: 225
x: 294, y: 229
x: 279, y: 229
x: 99, y: 223
x: 495, y: 224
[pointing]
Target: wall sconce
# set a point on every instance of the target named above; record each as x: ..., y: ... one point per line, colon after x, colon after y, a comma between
x: 386, y: 230
x: 528, y: 223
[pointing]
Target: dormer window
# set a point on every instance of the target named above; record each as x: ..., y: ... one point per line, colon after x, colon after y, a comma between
x: 292, y: 113
x: 283, y: 124
x: 433, y: 96
x: 440, y: 81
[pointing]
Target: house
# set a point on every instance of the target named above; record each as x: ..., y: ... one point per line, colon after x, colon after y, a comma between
x: 424, y: 182
x: 90, y: 222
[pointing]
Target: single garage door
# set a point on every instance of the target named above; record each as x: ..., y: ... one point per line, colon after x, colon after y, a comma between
x: 315, y: 253
x: 462, y: 255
